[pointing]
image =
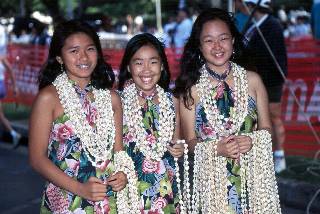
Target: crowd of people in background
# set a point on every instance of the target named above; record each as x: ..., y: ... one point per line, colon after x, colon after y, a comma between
x: 297, y: 23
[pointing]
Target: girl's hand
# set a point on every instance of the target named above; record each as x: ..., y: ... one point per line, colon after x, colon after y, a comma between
x: 117, y: 181
x: 175, y: 149
x: 228, y: 147
x: 94, y: 189
x: 245, y: 143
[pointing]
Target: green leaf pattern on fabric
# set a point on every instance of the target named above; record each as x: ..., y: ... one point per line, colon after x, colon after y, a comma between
x: 66, y: 152
x: 157, y: 185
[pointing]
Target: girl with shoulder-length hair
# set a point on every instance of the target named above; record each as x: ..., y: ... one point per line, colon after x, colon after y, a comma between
x: 225, y: 120
x: 75, y: 138
x: 102, y: 76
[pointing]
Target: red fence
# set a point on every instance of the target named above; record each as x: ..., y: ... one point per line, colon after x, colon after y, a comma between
x: 303, y: 81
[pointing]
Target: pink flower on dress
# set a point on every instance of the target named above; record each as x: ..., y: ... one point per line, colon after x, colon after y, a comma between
x: 73, y: 165
x: 103, y: 165
x: 86, y: 106
x: 102, y: 206
x: 151, y: 139
x: 228, y: 124
x: 220, y: 90
x: 207, y: 130
x: 61, y: 152
x: 178, y: 209
x: 58, y: 202
x: 128, y: 138
x: 92, y: 117
x: 171, y: 174
x: 149, y: 166
x: 159, y: 203
x: 153, y: 212
x: 62, y: 132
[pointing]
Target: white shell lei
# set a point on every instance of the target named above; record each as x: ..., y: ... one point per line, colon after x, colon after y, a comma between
x: 258, y: 182
x: 184, y: 197
x: 97, y: 144
x: 240, y: 109
x: 128, y: 198
x: 133, y: 116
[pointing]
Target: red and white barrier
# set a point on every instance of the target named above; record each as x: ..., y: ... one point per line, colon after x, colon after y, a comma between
x: 303, y: 81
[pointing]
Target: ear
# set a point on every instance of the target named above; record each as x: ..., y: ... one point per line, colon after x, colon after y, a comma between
x: 161, y: 67
x: 233, y: 41
x: 58, y: 58
x: 128, y: 69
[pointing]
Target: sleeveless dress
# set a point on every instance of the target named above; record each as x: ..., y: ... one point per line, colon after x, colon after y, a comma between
x: 205, y: 132
x: 157, y: 182
x: 66, y: 151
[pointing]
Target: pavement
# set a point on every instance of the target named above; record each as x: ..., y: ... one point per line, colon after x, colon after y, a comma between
x: 21, y: 187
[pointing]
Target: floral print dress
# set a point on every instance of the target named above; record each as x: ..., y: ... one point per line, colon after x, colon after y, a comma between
x: 224, y: 97
x: 157, y: 183
x: 65, y: 150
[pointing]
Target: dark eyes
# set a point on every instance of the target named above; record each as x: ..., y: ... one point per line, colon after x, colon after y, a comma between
x: 222, y: 39
x: 76, y: 50
x: 141, y: 62
x: 92, y: 49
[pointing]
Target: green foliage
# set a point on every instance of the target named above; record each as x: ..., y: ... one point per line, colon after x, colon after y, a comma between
x: 119, y: 9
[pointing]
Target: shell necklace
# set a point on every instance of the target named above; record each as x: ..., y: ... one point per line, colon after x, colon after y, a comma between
x: 133, y: 116
x: 97, y: 141
x: 231, y: 125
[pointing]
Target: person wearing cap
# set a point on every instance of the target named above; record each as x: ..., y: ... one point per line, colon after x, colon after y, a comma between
x: 273, y: 77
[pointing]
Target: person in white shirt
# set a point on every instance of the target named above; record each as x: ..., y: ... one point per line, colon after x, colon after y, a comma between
x: 183, y: 28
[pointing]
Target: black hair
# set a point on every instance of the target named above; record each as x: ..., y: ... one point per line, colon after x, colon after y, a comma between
x: 192, y: 58
x: 134, y: 44
x: 102, y: 76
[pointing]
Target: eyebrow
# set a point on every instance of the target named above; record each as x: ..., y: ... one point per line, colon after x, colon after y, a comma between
x: 154, y: 57
x: 78, y: 46
x: 223, y: 34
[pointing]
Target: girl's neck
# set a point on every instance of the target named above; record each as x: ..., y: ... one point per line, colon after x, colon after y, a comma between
x: 81, y: 82
x: 150, y: 94
x: 219, y: 69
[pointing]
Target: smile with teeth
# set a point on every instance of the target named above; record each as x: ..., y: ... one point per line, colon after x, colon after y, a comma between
x: 218, y: 54
x: 82, y: 66
x: 146, y: 80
